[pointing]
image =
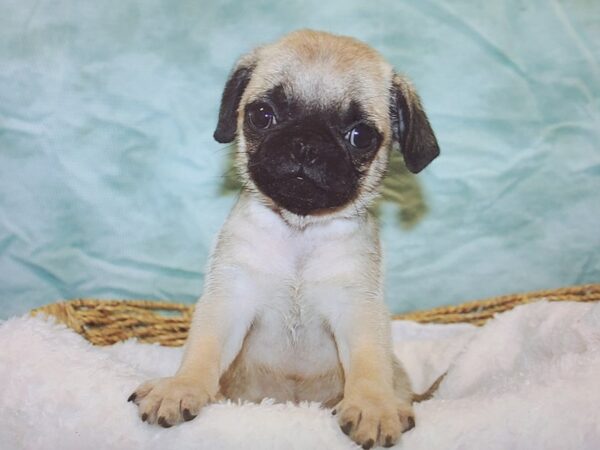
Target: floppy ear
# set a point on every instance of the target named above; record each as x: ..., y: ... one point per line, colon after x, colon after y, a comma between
x: 230, y: 101
x: 411, y: 127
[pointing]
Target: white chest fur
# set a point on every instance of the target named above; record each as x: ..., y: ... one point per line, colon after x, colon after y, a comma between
x: 292, y: 281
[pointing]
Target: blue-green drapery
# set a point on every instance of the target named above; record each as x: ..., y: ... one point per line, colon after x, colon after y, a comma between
x: 111, y: 184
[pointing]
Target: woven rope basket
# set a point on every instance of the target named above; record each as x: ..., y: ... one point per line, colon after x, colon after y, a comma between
x: 106, y: 322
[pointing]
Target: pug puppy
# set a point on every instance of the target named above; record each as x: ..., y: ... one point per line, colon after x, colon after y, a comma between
x: 293, y: 304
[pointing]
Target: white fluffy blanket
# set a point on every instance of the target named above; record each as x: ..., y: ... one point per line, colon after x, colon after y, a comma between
x: 529, y: 379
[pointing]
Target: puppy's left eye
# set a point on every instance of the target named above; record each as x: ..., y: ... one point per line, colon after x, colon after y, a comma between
x: 261, y: 116
x: 361, y: 136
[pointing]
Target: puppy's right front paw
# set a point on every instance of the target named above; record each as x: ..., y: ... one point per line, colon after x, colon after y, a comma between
x: 169, y: 401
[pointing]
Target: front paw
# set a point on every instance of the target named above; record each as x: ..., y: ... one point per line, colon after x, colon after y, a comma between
x: 374, y: 418
x: 169, y: 401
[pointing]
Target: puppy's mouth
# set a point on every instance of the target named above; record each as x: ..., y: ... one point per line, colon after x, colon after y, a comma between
x: 303, y: 192
x: 301, y: 195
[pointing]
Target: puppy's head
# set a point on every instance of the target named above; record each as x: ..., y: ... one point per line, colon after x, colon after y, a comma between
x: 315, y: 116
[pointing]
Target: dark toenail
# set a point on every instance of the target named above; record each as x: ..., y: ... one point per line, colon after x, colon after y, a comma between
x: 388, y: 441
x: 163, y: 422
x: 132, y: 397
x: 411, y: 423
x: 144, y: 417
x: 367, y: 445
x: 347, y: 427
x: 187, y: 415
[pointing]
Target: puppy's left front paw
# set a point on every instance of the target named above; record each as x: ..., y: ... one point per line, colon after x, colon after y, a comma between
x: 374, y: 418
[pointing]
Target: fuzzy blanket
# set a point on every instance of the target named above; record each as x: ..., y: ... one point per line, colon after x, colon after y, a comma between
x: 529, y: 379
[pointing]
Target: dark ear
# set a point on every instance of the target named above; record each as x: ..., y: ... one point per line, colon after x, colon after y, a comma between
x: 411, y: 127
x: 230, y: 102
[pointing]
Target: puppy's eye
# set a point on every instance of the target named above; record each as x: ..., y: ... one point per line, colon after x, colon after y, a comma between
x: 261, y: 116
x: 361, y: 136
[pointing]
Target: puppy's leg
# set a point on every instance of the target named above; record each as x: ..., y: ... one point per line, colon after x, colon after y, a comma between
x: 376, y: 407
x: 215, y: 338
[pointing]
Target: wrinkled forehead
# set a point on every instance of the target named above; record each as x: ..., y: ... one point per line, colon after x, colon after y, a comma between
x: 325, y: 75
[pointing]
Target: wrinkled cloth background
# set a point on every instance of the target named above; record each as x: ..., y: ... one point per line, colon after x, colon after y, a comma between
x: 110, y: 182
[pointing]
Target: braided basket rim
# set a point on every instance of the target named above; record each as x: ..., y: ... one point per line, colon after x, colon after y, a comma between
x: 108, y: 321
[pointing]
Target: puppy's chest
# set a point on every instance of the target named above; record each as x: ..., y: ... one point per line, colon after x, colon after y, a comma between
x: 290, y: 330
x: 296, y: 282
x: 291, y: 314
x: 292, y: 334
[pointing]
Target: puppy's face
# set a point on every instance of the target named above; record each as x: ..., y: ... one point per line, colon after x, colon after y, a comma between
x: 305, y: 156
x: 315, y: 116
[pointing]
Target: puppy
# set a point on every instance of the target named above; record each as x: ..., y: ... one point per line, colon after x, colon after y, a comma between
x: 293, y: 305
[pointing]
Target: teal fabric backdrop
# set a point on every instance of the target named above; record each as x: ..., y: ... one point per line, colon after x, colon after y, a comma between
x: 111, y: 184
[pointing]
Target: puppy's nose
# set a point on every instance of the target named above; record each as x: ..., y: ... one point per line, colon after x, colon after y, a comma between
x: 304, y: 151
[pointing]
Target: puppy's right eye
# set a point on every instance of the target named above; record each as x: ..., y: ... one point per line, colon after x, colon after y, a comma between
x: 261, y: 116
x: 361, y: 136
